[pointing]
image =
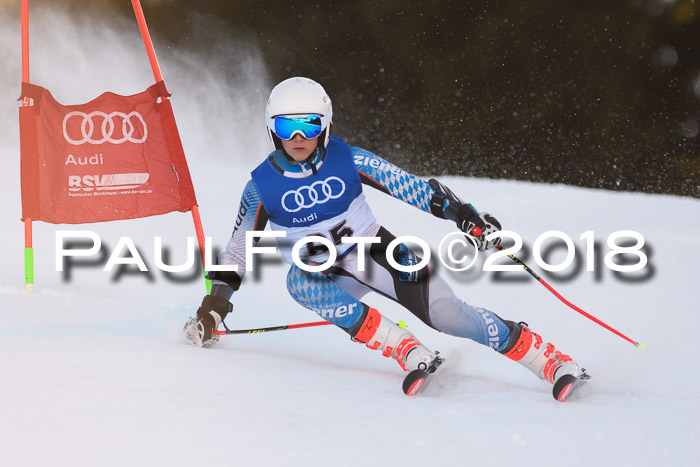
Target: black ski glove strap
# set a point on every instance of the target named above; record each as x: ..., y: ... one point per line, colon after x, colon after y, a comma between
x: 437, y: 205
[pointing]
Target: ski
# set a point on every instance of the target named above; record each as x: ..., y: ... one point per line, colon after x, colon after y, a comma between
x: 415, y: 382
x: 566, y: 385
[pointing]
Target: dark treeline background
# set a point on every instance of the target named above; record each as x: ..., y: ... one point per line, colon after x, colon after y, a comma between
x: 592, y: 93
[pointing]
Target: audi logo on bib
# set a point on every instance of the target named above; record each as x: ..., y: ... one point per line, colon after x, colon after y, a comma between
x: 99, y: 127
x: 308, y: 196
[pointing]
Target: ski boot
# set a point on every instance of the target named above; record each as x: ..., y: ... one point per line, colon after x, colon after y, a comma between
x: 380, y: 333
x: 542, y: 358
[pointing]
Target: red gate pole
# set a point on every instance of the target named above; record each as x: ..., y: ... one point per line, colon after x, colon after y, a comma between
x: 143, y: 27
x: 141, y: 19
x: 28, y: 248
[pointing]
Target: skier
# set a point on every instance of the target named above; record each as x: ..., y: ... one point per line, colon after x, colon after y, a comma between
x: 312, y: 185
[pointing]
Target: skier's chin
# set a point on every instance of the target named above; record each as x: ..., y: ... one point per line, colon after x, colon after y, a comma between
x: 300, y: 155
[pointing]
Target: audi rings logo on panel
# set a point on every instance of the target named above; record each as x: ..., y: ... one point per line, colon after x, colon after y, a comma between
x: 99, y: 127
x: 308, y: 196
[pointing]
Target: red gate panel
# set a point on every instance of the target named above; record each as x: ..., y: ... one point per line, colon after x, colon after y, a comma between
x: 116, y: 157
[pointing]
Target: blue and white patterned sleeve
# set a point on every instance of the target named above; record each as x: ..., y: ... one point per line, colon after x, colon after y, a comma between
x: 392, y: 180
x: 251, y: 216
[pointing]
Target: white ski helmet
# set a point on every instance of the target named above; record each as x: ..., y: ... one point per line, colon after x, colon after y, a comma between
x: 299, y: 96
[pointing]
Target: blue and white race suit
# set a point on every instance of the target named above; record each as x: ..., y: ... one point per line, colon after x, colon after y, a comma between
x: 324, y: 198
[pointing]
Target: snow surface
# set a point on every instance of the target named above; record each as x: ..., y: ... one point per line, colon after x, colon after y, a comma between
x: 94, y: 370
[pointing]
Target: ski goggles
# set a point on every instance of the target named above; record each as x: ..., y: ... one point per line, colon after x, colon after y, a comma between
x: 308, y: 126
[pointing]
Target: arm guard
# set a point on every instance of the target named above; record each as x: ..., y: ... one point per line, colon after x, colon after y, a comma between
x: 444, y: 203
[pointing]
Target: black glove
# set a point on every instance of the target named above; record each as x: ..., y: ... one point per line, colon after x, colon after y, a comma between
x: 478, y: 226
x: 211, y: 313
x: 447, y: 205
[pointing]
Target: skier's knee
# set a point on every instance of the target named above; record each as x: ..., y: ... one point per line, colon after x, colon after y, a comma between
x: 446, y: 313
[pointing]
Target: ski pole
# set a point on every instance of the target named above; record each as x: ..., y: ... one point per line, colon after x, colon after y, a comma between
x: 558, y: 295
x: 273, y: 328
